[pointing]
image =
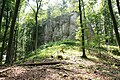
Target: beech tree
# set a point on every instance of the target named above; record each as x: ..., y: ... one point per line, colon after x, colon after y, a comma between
x: 36, y: 23
x: 82, y: 30
x: 5, y: 33
x: 114, y: 22
x: 9, y: 56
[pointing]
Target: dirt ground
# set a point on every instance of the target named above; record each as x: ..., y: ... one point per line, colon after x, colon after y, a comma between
x: 74, y: 68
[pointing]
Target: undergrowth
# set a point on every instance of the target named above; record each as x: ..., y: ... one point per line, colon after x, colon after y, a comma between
x: 53, y: 48
x: 48, y: 49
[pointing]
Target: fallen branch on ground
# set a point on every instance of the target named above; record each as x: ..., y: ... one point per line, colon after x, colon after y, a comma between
x: 39, y: 64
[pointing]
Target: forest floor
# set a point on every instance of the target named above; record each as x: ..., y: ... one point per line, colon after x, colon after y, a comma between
x: 71, y: 68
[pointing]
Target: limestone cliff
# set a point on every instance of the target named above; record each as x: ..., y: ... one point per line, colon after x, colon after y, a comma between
x: 61, y: 27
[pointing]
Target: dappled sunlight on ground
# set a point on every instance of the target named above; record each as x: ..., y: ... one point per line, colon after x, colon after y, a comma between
x: 72, y: 67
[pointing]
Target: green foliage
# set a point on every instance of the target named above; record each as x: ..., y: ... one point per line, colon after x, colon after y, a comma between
x: 69, y: 42
x: 52, y: 48
x: 116, y: 52
x: 65, y: 41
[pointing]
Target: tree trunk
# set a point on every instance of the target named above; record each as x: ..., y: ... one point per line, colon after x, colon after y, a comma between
x: 117, y: 1
x: 88, y: 36
x: 82, y: 30
x: 36, y: 37
x: 3, y: 5
x: 4, y: 37
x: 36, y: 23
x: 9, y: 59
x: 114, y: 22
x: 15, y: 42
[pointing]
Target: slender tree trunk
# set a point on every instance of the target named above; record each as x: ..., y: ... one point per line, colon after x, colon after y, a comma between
x: 16, y: 41
x: 14, y: 46
x: 117, y: 1
x: 9, y: 59
x: 4, y: 37
x: 114, y: 22
x: 36, y: 40
x: 88, y: 38
x: 36, y: 22
x: 82, y: 30
x: 3, y: 5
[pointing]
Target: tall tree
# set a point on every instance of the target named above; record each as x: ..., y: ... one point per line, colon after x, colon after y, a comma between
x: 9, y: 56
x: 38, y: 5
x: 2, y: 10
x: 36, y: 23
x: 82, y: 30
x: 114, y: 22
x: 4, y: 37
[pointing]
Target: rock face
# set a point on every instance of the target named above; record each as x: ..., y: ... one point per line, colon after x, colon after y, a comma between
x: 59, y: 28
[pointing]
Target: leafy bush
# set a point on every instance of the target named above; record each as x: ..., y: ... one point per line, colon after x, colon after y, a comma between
x: 69, y: 42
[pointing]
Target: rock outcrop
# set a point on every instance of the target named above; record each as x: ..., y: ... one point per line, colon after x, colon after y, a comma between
x: 59, y: 28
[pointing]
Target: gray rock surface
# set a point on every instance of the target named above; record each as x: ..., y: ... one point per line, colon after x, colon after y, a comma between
x: 61, y: 27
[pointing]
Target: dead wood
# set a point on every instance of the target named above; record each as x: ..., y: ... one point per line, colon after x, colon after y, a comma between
x: 39, y: 64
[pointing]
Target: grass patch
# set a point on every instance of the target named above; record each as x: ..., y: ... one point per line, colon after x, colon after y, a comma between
x: 69, y: 47
x: 52, y: 48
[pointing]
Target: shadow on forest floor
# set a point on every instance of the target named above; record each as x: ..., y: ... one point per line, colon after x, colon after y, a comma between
x: 74, y: 68
x: 107, y: 65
